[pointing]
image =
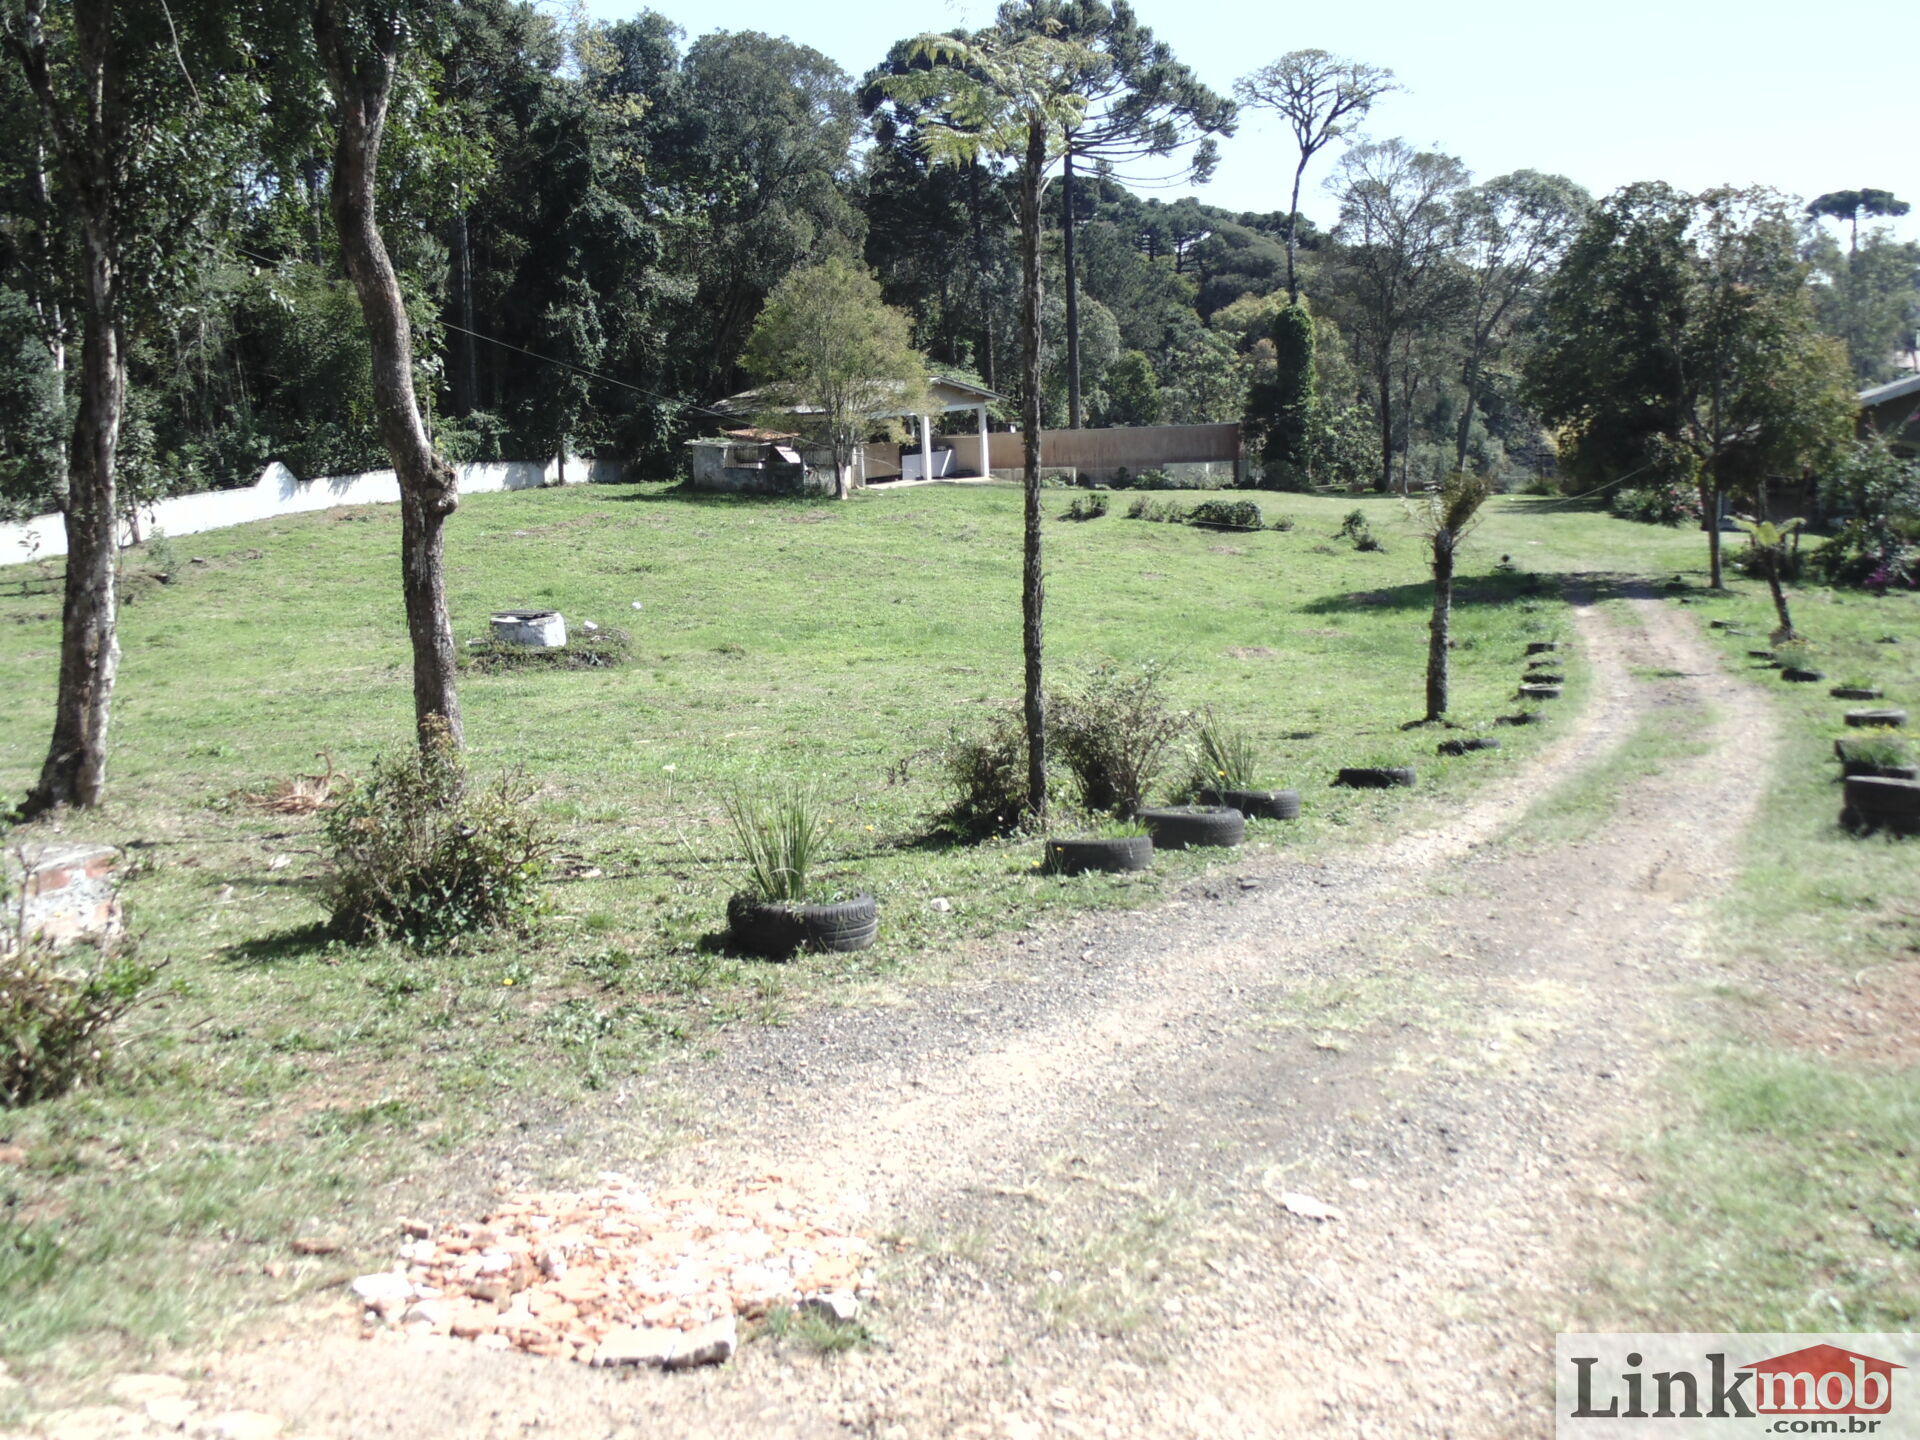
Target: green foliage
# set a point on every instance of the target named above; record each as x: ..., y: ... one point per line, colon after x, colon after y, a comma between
x: 1677, y: 502
x: 1086, y: 507
x: 600, y: 649
x: 58, y: 1009
x: 781, y: 835
x: 1114, y: 731
x: 421, y: 856
x: 1225, y: 756
x: 1356, y: 528
x: 1132, y: 391
x: 1882, y: 750
x: 1282, y: 399
x: 987, y: 775
x: 826, y: 343
x: 1227, y: 515
x: 1161, y: 512
x: 1878, y: 545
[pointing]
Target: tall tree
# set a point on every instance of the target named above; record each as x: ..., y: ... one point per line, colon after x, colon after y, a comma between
x: 1513, y: 231
x: 1141, y: 104
x: 1868, y: 297
x: 1850, y: 205
x: 1677, y: 342
x: 1321, y: 97
x: 1016, y: 96
x: 1396, y: 286
x: 126, y: 155
x: 360, y: 44
x: 830, y: 350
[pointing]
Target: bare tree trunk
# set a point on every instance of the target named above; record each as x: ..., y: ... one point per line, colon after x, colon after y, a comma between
x: 362, y: 81
x: 1464, y: 431
x: 1440, y: 626
x: 1073, y: 293
x: 1385, y: 379
x: 1033, y: 580
x: 1711, y: 499
x: 75, y: 770
x: 1293, y: 225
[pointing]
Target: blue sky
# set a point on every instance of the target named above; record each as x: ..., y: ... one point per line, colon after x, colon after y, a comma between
x: 1695, y: 92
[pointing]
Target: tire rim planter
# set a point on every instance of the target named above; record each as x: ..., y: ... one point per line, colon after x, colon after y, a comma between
x: 1178, y: 827
x: 1857, y: 692
x: 1375, y: 777
x: 777, y: 928
x: 1879, y: 804
x: 1800, y: 677
x: 1467, y: 747
x: 1115, y: 855
x: 1257, y: 804
x: 1863, y: 719
x: 1539, y: 692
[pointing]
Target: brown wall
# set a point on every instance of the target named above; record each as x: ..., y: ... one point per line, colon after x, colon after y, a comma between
x: 1138, y: 447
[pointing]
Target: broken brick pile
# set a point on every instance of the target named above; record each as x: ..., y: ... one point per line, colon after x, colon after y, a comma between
x: 618, y: 1275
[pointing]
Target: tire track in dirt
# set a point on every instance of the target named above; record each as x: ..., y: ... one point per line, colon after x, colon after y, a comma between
x: 1081, y: 1144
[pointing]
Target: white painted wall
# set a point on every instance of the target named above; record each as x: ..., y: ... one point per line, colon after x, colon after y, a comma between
x: 279, y: 491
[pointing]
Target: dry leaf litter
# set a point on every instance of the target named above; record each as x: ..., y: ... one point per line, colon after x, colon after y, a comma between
x: 622, y: 1276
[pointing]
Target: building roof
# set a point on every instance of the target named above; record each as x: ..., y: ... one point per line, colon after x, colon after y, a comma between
x: 1892, y: 390
x: 948, y: 392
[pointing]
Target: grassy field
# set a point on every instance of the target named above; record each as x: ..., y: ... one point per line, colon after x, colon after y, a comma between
x: 284, y: 1086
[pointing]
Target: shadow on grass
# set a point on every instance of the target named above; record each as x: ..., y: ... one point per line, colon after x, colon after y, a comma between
x: 1500, y: 588
x: 301, y: 942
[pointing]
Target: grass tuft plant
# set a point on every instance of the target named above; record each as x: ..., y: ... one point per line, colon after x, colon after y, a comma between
x: 1225, y: 757
x: 58, y: 1009
x: 1114, y: 732
x: 782, y: 835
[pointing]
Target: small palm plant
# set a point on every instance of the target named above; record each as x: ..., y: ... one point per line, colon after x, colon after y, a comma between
x: 782, y: 836
x: 1772, y: 547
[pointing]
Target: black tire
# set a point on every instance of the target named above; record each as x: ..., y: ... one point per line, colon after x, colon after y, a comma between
x: 1800, y: 677
x: 1880, y: 804
x: 765, y: 927
x: 1539, y: 692
x: 1544, y: 677
x: 1467, y: 747
x: 1525, y: 717
x: 1866, y: 719
x: 1857, y: 692
x: 1760, y: 654
x: 1257, y: 804
x: 1116, y: 856
x: 1542, y: 647
x: 1375, y: 777
x: 1179, y: 827
x: 849, y: 925
x: 1861, y: 769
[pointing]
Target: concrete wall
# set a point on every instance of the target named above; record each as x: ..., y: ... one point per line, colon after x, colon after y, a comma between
x: 279, y: 491
x: 1096, y: 454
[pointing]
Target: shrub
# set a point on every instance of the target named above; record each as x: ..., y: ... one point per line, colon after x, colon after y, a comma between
x: 1087, y: 507
x: 1226, y: 514
x: 988, y: 775
x: 1225, y: 757
x: 1285, y: 522
x: 1354, y: 525
x: 1674, y: 503
x: 1161, y: 512
x: 58, y: 1010
x: 418, y: 856
x: 1113, y: 732
x: 781, y: 835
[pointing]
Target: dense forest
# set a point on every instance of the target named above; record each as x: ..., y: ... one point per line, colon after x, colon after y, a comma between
x: 588, y: 218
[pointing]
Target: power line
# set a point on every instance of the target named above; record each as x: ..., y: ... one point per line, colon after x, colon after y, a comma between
x: 550, y: 359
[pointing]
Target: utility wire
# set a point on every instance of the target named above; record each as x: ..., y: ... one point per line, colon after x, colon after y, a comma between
x: 551, y: 360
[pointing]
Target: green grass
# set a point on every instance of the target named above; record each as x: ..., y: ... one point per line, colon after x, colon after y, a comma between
x: 283, y: 1085
x: 1581, y: 805
x: 1784, y: 1201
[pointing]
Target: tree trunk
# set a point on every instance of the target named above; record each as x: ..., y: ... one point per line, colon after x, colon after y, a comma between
x: 1464, y: 431
x: 1440, y: 625
x: 1033, y: 582
x: 1710, y: 502
x: 1293, y: 225
x: 362, y: 81
x: 467, y: 390
x: 1385, y: 379
x: 1073, y: 292
x: 75, y: 770
x: 1786, y: 631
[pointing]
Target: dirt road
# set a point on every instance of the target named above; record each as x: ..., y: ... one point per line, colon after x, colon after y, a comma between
x: 1078, y: 1154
